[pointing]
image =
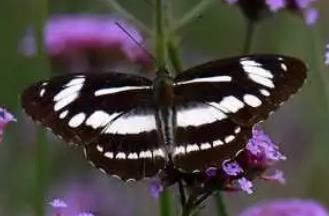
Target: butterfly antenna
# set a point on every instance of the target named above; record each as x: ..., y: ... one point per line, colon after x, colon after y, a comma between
x: 135, y: 41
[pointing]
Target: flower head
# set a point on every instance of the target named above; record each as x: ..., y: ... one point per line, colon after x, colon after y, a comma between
x: 292, y: 207
x: 5, y: 118
x: 86, y: 42
x: 257, y: 9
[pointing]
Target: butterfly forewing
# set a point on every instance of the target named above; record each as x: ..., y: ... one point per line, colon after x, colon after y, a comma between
x: 219, y: 102
x: 111, y: 114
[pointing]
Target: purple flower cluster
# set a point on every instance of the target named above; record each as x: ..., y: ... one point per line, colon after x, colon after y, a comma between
x: 79, y: 43
x: 292, y: 207
x: 59, y: 205
x: 254, y: 10
x: 5, y: 118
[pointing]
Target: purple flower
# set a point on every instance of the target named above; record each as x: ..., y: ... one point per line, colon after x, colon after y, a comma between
x: 263, y: 150
x: 256, y: 10
x: 82, y: 199
x: 5, y: 118
x: 326, y: 55
x: 278, y: 176
x: 290, y: 207
x: 85, y: 42
x: 85, y: 214
x: 275, y: 5
x: 156, y: 188
x: 232, y: 168
x: 58, y: 204
x: 245, y: 185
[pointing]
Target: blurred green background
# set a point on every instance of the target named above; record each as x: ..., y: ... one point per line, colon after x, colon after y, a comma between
x: 301, y: 126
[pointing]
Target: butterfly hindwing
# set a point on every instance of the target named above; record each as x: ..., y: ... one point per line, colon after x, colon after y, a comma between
x: 111, y: 112
x: 217, y: 99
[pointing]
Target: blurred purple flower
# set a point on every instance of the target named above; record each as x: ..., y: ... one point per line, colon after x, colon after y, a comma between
x: 86, y: 42
x: 232, y: 168
x: 245, y: 185
x: 85, y: 214
x: 257, y: 9
x: 290, y: 207
x: 5, y: 118
x: 155, y: 188
x: 58, y: 204
x: 87, y: 199
x: 326, y: 55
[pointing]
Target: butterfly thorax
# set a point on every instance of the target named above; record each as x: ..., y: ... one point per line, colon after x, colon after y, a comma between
x: 163, y: 94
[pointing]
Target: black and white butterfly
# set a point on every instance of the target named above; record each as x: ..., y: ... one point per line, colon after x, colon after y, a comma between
x: 133, y: 127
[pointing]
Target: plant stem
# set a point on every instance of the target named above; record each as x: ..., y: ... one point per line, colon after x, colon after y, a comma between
x: 40, y: 175
x: 221, y: 209
x: 160, y: 40
x: 165, y: 203
x: 249, y: 37
x: 192, y: 14
x: 173, y: 56
x: 128, y: 16
x: 40, y: 11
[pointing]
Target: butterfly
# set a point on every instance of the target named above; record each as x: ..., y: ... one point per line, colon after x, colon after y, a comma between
x: 132, y: 127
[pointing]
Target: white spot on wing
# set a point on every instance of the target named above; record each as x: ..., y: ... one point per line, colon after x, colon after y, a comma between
x: 120, y: 155
x: 100, y: 148
x: 42, y: 92
x: 109, y: 155
x: 264, y: 92
x: 262, y: 80
x: 229, y: 104
x: 252, y: 100
x: 217, y: 143
x: 191, y: 148
x: 205, y: 146
x: 229, y: 138
x: 65, y: 101
x: 114, y: 90
x: 253, y: 67
x: 100, y: 119
x: 257, y: 73
x: 69, y: 93
x: 179, y: 150
x: 133, y: 156
x: 131, y: 124
x: 237, y: 130
x: 284, y: 67
x: 159, y: 153
x: 196, y: 116
x: 145, y: 154
x: 76, y: 81
x: 63, y: 114
x: 77, y: 120
x: 208, y: 79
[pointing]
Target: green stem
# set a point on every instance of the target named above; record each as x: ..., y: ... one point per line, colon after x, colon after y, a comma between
x: 173, y: 56
x: 221, y: 208
x: 160, y: 40
x: 192, y: 14
x: 40, y: 11
x: 165, y: 203
x: 40, y: 175
x: 128, y: 16
x: 249, y: 37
